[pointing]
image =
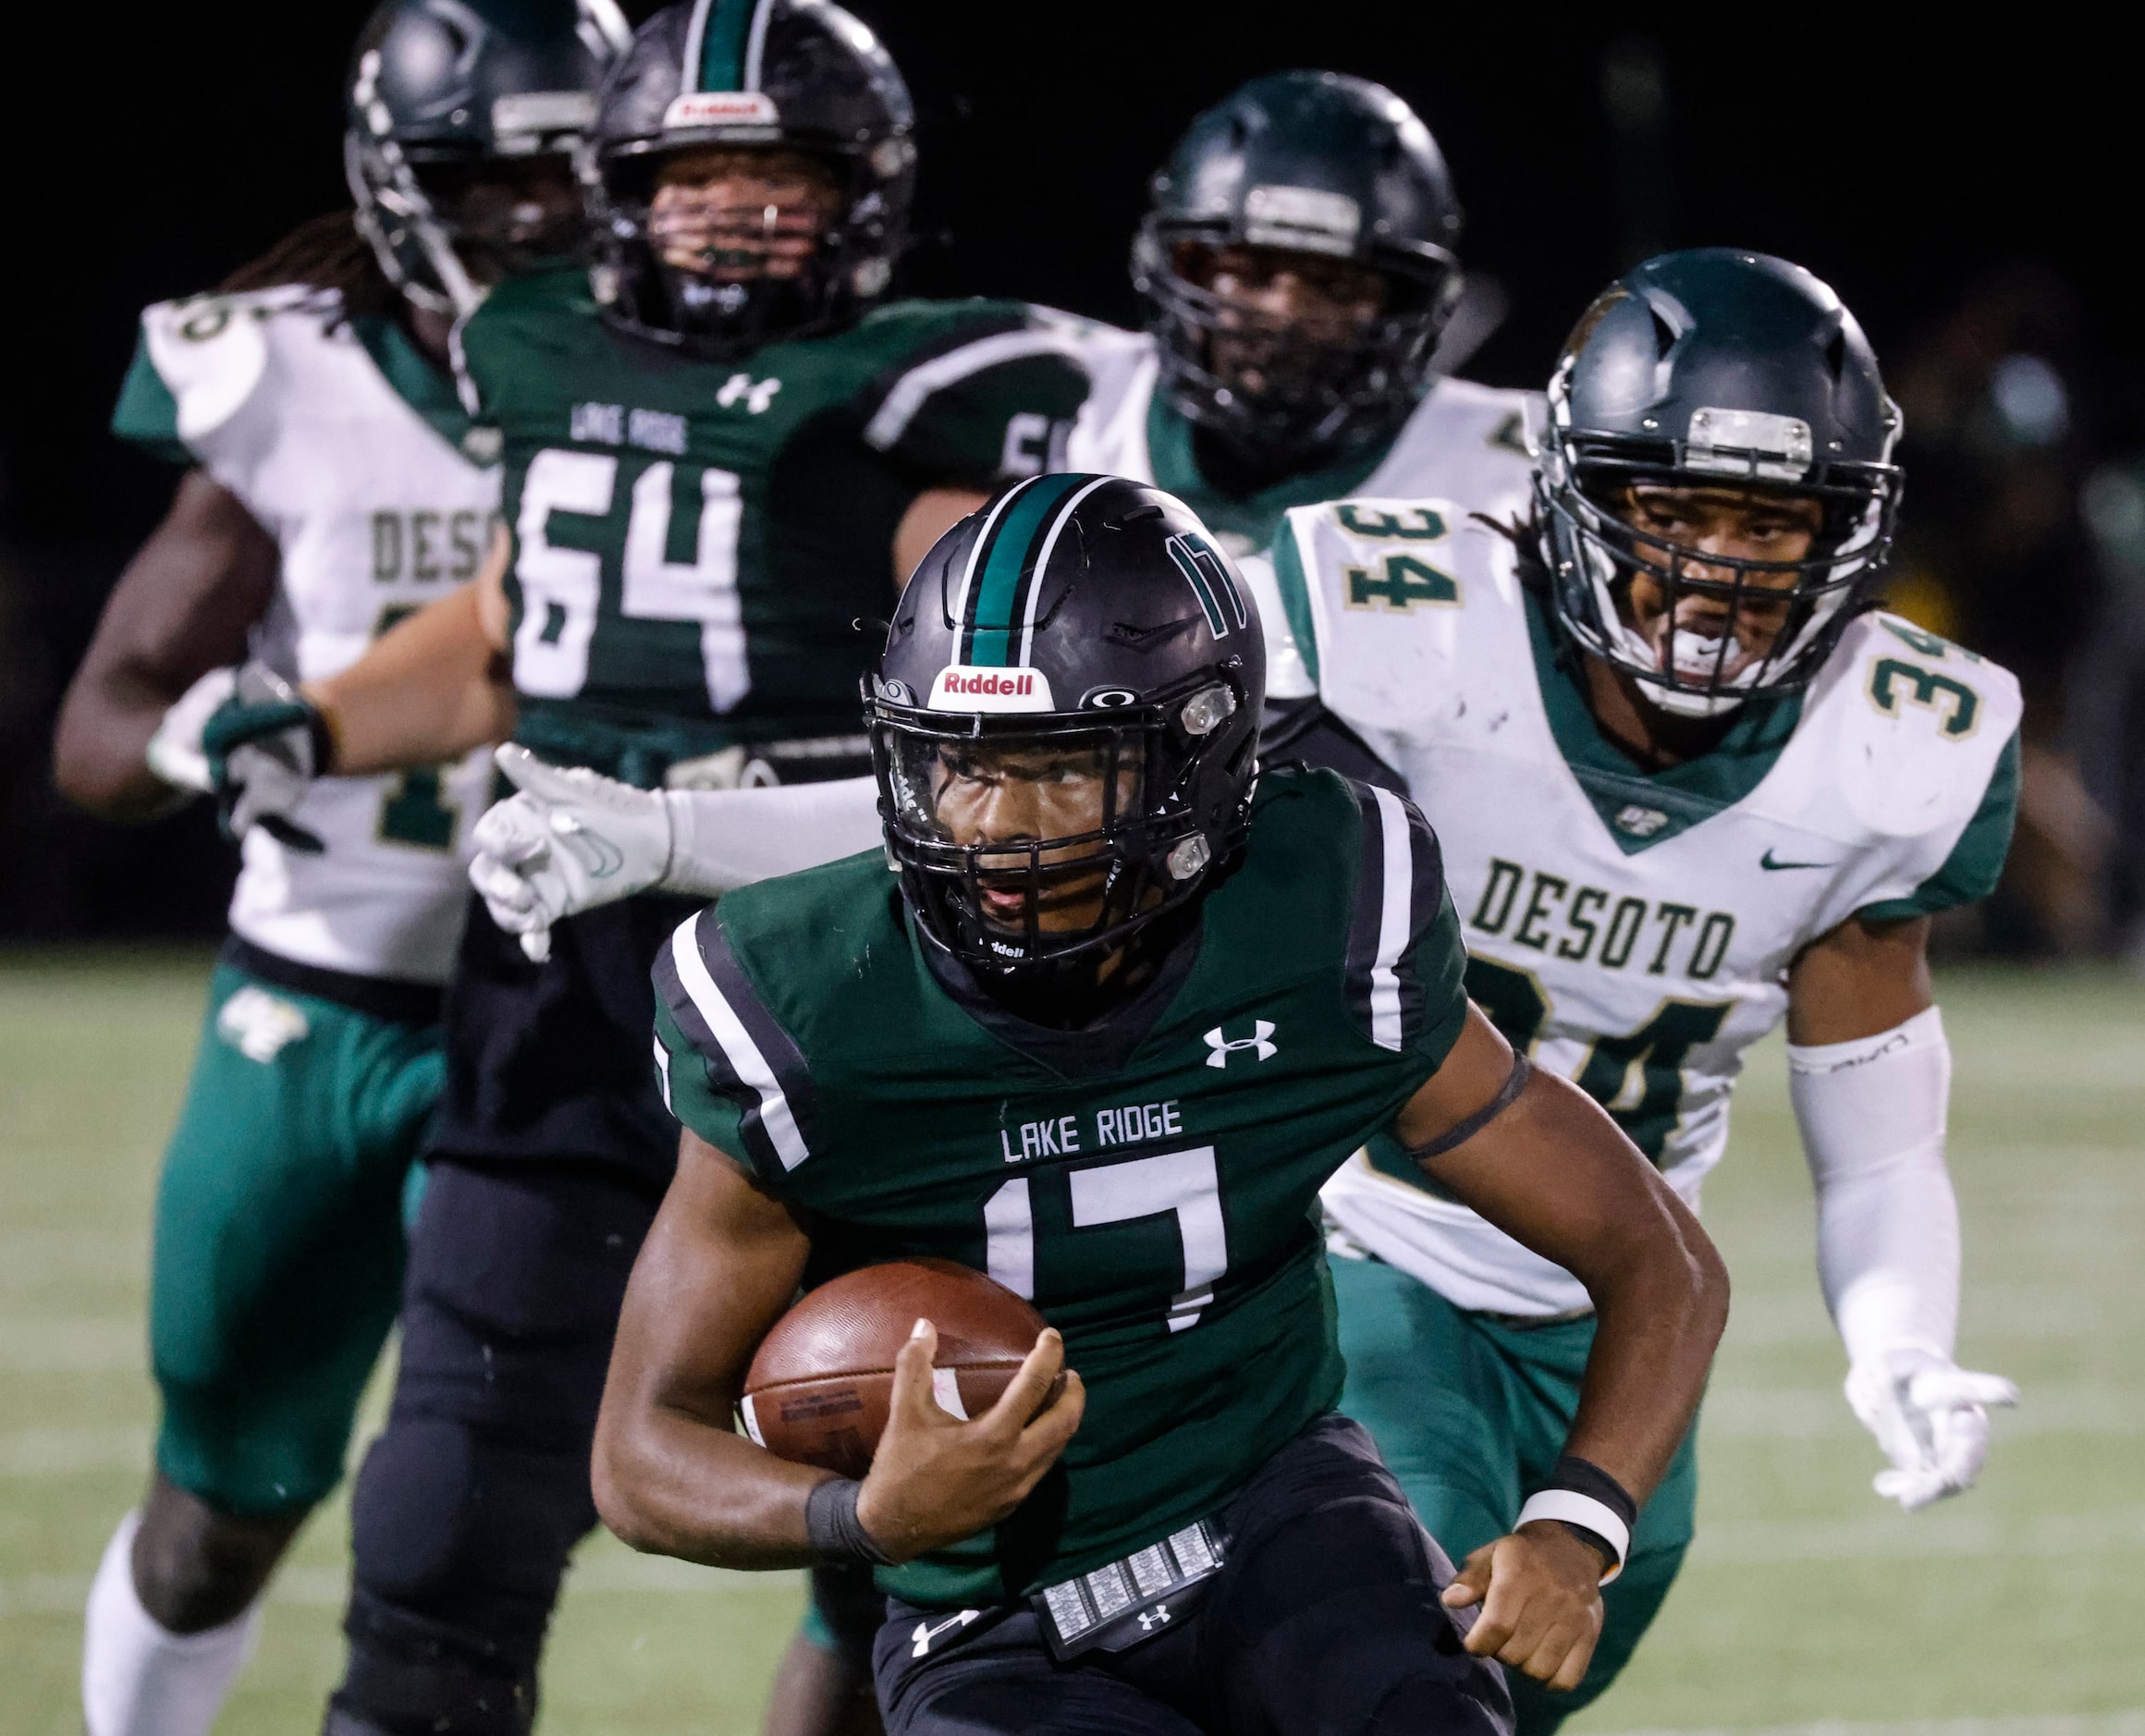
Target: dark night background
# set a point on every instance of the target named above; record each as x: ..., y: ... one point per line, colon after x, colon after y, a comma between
x: 1968, y: 193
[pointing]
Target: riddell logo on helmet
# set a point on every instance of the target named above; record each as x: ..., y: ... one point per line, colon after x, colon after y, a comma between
x: 721, y: 108
x: 963, y: 687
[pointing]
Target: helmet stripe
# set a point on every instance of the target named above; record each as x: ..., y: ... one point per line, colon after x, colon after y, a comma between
x: 1207, y: 574
x: 723, y: 37
x: 996, y: 596
x: 1043, y: 566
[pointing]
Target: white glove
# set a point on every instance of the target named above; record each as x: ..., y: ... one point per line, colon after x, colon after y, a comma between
x: 1929, y: 1416
x: 175, y: 751
x: 571, y: 840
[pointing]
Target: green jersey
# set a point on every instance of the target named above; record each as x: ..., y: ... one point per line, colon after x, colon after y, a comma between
x: 692, y: 540
x: 1151, y: 1184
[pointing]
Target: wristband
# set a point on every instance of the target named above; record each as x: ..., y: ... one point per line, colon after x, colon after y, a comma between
x: 1590, y: 1501
x: 832, y: 1527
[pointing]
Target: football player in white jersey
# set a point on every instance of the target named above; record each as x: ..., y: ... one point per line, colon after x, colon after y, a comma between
x: 1688, y: 780
x: 1298, y: 273
x: 334, y: 484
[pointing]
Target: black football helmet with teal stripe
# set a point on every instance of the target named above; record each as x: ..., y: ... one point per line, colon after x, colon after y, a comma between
x: 801, y: 74
x: 441, y: 91
x: 1310, y: 163
x: 1076, y: 629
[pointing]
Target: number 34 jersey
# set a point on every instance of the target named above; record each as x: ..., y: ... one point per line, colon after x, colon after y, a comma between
x: 1151, y: 1185
x: 1631, y: 932
x: 348, y: 448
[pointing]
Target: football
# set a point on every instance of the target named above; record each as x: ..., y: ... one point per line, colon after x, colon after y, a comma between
x: 820, y: 1386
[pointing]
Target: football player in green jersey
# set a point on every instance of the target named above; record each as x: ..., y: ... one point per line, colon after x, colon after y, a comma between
x: 1127, y: 1006
x: 721, y: 446
x: 333, y: 483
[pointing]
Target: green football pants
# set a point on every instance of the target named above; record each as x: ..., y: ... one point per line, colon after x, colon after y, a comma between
x: 278, y: 1239
x: 1471, y: 1414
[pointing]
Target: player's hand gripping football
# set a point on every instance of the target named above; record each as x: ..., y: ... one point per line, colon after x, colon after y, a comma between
x: 1540, y: 1592
x: 936, y: 1479
x: 1932, y: 1419
x: 264, y: 746
x: 571, y: 840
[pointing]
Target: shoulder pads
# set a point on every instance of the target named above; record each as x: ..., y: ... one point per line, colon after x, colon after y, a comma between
x: 210, y: 353
x: 1917, y: 724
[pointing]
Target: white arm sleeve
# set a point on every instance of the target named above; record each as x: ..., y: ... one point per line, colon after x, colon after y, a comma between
x: 1872, y: 1118
x: 721, y: 840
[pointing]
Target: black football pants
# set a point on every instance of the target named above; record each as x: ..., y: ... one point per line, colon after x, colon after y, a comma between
x: 1323, y: 1622
x: 469, y: 1503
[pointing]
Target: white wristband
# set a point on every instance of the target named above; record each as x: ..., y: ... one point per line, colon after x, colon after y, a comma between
x: 1575, y: 1508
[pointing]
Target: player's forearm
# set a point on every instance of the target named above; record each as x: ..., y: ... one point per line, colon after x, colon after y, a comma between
x: 670, y: 1483
x: 1872, y: 1118
x: 1660, y: 1297
x: 100, y: 742
x: 432, y: 689
x: 184, y: 605
x: 1660, y: 1316
x: 727, y: 839
x: 1552, y: 1171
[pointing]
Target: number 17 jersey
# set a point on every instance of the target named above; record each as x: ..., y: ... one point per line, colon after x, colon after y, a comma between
x: 1631, y: 930
x: 1151, y: 1184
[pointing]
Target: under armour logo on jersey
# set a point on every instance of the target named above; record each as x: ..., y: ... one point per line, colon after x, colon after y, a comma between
x: 1259, y: 1042
x: 756, y: 394
x: 1159, y: 1616
x: 927, y: 1631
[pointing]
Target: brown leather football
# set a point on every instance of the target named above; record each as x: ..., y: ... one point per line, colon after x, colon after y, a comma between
x: 820, y: 1383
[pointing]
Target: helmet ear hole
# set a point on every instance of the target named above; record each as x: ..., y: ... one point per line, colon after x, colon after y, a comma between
x: 1664, y: 335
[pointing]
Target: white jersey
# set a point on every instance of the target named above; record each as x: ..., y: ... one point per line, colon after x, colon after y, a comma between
x: 1631, y: 932
x: 376, y: 512
x: 1463, y: 441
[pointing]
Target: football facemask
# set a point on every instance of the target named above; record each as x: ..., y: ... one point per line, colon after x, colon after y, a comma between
x: 1064, y: 723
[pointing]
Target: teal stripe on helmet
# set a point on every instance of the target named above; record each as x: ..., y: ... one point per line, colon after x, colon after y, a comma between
x: 726, y: 27
x: 994, y: 614
x: 1187, y: 563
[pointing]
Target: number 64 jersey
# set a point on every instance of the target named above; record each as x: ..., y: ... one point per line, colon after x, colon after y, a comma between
x: 1631, y: 932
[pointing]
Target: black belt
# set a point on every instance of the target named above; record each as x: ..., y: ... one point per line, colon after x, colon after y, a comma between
x: 377, y: 996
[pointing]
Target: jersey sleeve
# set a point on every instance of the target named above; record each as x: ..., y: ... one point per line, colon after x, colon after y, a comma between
x: 1405, y: 975
x: 1969, y: 873
x: 991, y: 400
x: 147, y: 413
x: 1294, y: 633
x: 729, y: 1070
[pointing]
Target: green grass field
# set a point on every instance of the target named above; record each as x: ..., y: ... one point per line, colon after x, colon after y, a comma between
x: 2018, y: 1611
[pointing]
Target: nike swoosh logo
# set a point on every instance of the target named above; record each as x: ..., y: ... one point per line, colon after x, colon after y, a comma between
x: 1766, y: 861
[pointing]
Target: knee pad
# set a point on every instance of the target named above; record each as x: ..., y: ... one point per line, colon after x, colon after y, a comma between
x: 469, y: 1535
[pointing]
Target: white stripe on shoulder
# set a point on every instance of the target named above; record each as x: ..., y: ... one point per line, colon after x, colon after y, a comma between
x: 744, y: 1054
x: 915, y: 388
x: 1398, y: 881
x: 1043, y: 563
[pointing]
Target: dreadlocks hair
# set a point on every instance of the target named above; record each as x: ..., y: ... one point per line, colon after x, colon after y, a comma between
x: 326, y: 254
